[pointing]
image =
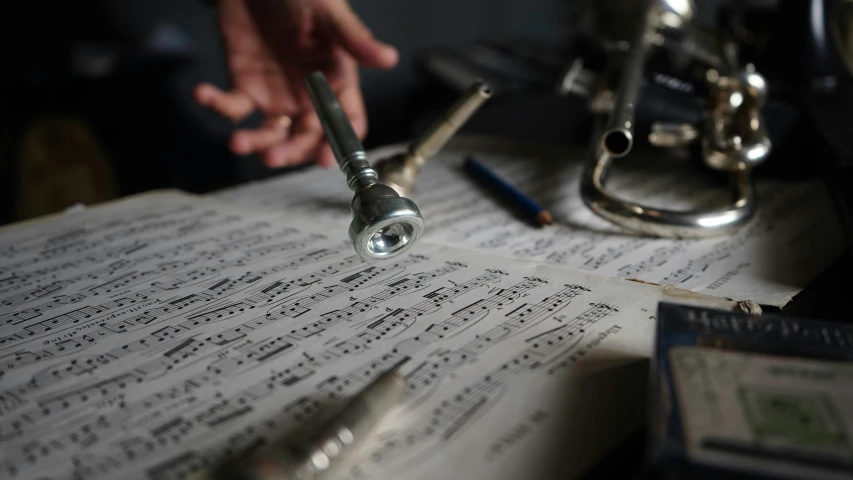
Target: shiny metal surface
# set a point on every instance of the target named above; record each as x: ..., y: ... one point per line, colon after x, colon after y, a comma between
x: 384, y: 224
x: 672, y: 135
x: 317, y: 450
x: 733, y: 136
x: 676, y: 13
x: 437, y: 136
x: 401, y: 171
x: 662, y: 222
x: 618, y: 137
x: 577, y: 80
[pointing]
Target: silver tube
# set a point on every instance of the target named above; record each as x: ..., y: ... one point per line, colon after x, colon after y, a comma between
x: 351, y: 157
x: 434, y: 139
x: 618, y: 137
x: 384, y: 224
x: 401, y: 171
x: 318, y: 449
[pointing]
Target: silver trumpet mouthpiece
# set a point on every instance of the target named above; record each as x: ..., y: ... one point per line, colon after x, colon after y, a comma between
x: 401, y: 171
x: 384, y: 224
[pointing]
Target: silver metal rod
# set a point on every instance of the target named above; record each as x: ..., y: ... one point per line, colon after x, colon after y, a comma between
x: 618, y: 137
x: 319, y: 448
x: 401, y: 171
x: 440, y: 132
x: 350, y: 154
x: 384, y: 224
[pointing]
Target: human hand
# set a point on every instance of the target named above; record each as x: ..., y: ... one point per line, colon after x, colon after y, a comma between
x: 271, y: 45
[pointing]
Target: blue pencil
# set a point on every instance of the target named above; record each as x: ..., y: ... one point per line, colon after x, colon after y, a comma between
x: 526, y: 206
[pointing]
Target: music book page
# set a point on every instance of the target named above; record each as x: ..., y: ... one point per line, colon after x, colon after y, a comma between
x: 793, y: 238
x: 154, y: 336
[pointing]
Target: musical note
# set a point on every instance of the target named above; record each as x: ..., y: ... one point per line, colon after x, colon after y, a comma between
x: 186, y: 331
x: 612, y: 254
x: 456, y: 412
x: 657, y: 259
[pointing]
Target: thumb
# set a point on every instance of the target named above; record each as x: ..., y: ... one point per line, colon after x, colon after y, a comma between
x: 353, y: 36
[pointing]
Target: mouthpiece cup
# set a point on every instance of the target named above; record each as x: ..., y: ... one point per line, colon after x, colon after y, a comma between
x: 384, y: 225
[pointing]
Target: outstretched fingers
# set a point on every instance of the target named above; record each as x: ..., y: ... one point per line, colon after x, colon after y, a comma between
x: 354, y: 36
x: 235, y: 105
x: 275, y: 130
x: 304, y: 139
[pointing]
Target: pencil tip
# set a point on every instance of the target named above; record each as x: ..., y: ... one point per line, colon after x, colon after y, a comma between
x: 544, y: 218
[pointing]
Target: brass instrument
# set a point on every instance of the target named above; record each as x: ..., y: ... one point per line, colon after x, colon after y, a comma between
x: 732, y: 133
x: 384, y: 224
x: 401, y: 171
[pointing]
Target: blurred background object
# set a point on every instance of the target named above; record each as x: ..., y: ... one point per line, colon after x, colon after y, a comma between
x: 61, y: 163
x: 96, y: 98
x: 124, y: 71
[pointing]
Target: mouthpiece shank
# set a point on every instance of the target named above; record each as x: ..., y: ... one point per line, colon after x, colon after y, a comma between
x: 439, y: 133
x: 349, y: 153
x: 401, y: 171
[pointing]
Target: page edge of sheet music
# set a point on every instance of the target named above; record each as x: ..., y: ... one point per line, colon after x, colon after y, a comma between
x: 38, y: 221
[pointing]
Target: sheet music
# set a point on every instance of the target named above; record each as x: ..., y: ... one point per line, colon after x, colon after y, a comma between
x: 153, y: 336
x: 793, y: 238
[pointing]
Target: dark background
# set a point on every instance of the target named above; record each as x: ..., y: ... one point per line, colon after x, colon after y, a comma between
x: 125, y: 70
x: 122, y: 72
